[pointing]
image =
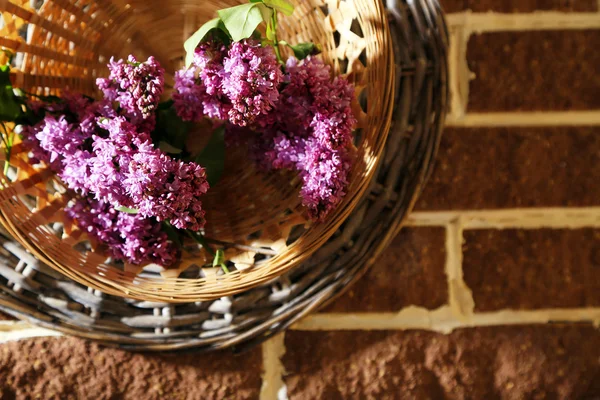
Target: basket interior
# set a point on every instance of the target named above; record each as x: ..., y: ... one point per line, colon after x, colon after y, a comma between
x: 67, y: 43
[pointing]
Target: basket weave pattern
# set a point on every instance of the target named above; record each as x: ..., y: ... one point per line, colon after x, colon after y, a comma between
x: 35, y: 292
x: 66, y: 43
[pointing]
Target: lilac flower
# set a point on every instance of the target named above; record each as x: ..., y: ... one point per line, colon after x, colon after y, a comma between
x: 62, y: 132
x: 109, y: 158
x: 238, y: 84
x: 128, y: 237
x: 179, y: 197
x: 127, y: 170
x: 309, y: 131
x: 136, y: 86
x: 198, y: 89
x: 251, y: 81
x: 188, y: 95
x: 325, y: 177
x: 318, y: 102
x: 168, y: 189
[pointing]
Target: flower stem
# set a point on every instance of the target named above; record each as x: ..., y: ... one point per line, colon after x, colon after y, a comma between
x: 275, y: 39
x: 202, y: 241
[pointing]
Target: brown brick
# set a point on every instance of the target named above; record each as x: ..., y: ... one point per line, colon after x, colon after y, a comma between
x: 409, y: 272
x: 525, y: 362
x: 510, y: 6
x: 532, y: 269
x: 538, y: 70
x: 70, y: 368
x: 515, y: 167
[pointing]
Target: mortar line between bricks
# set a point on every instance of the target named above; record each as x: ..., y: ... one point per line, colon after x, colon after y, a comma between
x: 273, y: 386
x: 461, y: 118
x: 459, y: 74
x: 519, y: 218
x: 460, y: 297
x: 443, y: 320
x: 539, y: 20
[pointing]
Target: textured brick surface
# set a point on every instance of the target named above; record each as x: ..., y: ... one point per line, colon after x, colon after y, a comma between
x: 532, y: 269
x: 515, y: 167
x: 525, y: 362
x: 535, y: 70
x: 508, y: 6
x: 62, y: 368
x: 410, y: 272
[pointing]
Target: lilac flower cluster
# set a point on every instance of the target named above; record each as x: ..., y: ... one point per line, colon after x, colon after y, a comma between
x: 110, y: 159
x: 299, y: 119
x: 309, y: 131
x: 108, y: 154
x: 136, y: 87
x: 127, y: 236
x: 238, y: 84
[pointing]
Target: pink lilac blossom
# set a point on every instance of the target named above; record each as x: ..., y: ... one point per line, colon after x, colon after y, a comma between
x: 128, y: 237
x: 309, y: 131
x: 319, y: 104
x: 240, y: 84
x: 136, y: 86
x: 325, y: 176
x: 63, y: 132
x: 252, y: 76
x: 127, y: 170
x: 168, y: 189
x: 198, y: 89
x: 119, y: 165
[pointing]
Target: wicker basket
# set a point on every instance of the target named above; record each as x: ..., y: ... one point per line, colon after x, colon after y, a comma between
x: 257, y: 217
x: 34, y: 292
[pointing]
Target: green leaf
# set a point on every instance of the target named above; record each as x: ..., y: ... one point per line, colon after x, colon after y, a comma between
x: 165, y: 105
x: 127, y: 210
x: 303, y: 50
x: 242, y: 20
x: 212, y: 158
x: 219, y: 258
x: 168, y: 148
x: 171, y: 233
x: 282, y: 6
x: 10, y: 108
x: 170, y: 128
x: 193, y: 41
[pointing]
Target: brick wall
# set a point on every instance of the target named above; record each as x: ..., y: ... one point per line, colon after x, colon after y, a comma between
x: 492, y: 291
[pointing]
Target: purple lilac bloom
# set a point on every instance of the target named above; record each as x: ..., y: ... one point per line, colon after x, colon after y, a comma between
x: 251, y: 81
x: 310, y: 131
x: 108, y: 157
x: 63, y: 131
x: 129, y: 237
x: 188, y: 95
x: 168, y: 189
x: 325, y: 177
x: 136, y: 86
x: 127, y: 170
x: 318, y: 102
x: 198, y: 89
